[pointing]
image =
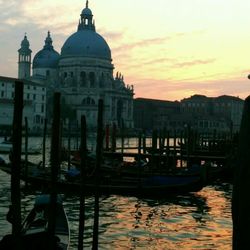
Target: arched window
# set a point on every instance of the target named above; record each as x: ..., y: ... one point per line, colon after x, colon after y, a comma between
x: 101, y: 84
x: 88, y: 101
x: 119, y: 112
x: 83, y: 80
x: 92, y: 79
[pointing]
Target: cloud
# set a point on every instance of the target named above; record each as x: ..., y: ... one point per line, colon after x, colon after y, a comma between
x: 193, y: 63
x: 177, y: 90
x: 113, y: 36
x: 125, y: 48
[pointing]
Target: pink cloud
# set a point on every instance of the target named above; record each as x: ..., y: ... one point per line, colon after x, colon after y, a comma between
x: 172, y: 90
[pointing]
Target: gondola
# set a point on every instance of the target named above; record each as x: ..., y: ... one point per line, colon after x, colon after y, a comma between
x: 34, y: 233
x: 153, y: 186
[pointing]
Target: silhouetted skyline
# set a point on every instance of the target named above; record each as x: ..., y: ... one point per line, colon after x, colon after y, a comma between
x: 167, y: 49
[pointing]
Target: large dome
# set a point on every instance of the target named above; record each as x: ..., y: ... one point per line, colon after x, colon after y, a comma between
x: 47, y: 57
x: 86, y: 43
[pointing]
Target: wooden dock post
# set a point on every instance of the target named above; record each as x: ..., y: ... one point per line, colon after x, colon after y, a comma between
x: 154, y: 148
x: 122, y: 129
x: 107, y: 138
x: 16, y: 164
x: 144, y: 142
x: 69, y: 144
x: 139, y: 154
x: 113, y: 139
x: 55, y: 164
x: 241, y: 188
x: 44, y: 141
x: 99, y: 149
x: 181, y: 149
x: 26, y: 149
x: 83, y: 155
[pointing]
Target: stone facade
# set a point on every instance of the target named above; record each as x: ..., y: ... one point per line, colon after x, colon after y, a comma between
x: 84, y: 73
x: 34, y: 104
x: 201, y: 113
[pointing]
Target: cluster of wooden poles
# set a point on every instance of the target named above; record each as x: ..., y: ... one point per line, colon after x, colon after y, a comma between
x: 241, y: 190
x: 55, y: 167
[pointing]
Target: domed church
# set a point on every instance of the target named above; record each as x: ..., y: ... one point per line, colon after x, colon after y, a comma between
x: 83, y: 73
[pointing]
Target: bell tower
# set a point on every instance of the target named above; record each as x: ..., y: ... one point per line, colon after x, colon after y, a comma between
x: 24, y: 59
x: 86, y: 21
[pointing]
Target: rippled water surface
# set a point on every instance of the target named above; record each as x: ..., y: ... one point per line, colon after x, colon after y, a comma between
x: 197, y: 221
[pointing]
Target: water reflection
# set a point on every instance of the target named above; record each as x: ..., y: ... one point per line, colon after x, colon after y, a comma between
x: 197, y: 221
x: 201, y: 220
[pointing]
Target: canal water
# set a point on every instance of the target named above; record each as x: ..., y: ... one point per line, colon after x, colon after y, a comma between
x: 199, y: 220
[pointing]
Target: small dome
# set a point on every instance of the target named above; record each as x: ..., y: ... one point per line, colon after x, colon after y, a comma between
x: 47, y: 57
x: 86, y: 43
x: 87, y: 12
x: 25, y: 46
x: 25, y: 42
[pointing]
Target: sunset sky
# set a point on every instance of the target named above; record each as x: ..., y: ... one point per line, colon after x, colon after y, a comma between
x: 167, y: 49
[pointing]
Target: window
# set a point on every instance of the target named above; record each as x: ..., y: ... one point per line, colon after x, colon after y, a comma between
x: 34, y: 97
x: 2, y: 93
x: 47, y: 73
x: 83, y: 79
x: 42, y: 108
x: 43, y: 97
x: 88, y: 101
x: 92, y: 79
x: 37, y: 118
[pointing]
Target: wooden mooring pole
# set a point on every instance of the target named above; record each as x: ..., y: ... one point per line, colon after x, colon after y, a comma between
x: 55, y: 165
x: 69, y: 145
x: 83, y: 155
x: 26, y: 149
x: 107, y: 138
x: 99, y: 149
x: 241, y: 187
x: 44, y: 141
x: 16, y: 164
x: 113, y: 138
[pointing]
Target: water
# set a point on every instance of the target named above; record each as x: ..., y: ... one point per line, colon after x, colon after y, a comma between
x: 197, y: 221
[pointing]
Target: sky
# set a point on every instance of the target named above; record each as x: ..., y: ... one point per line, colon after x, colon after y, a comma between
x: 167, y: 49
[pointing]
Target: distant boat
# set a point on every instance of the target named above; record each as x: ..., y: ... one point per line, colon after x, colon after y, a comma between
x: 35, y: 227
x: 6, y: 147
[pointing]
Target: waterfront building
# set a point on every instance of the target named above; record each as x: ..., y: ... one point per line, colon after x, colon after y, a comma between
x: 223, y: 108
x: 34, y: 104
x: 83, y: 72
x: 152, y: 113
x: 199, y: 112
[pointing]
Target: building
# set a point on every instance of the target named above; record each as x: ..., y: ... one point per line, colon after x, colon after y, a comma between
x: 83, y: 72
x: 153, y: 114
x: 201, y: 113
x: 223, y: 112
x: 34, y: 104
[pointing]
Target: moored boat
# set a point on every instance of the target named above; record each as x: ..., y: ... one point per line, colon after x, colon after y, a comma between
x: 152, y: 186
x: 34, y: 233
